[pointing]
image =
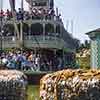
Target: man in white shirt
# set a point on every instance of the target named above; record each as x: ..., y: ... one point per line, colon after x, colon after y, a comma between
x: 37, y: 62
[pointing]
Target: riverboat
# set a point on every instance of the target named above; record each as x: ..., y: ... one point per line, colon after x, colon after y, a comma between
x: 41, y: 30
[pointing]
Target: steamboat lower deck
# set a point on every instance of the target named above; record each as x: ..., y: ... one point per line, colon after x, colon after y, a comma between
x: 34, y: 77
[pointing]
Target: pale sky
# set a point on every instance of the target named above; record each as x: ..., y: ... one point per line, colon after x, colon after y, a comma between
x: 84, y: 13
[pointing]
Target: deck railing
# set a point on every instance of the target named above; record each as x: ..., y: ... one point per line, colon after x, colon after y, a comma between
x: 34, y: 41
x: 31, y: 21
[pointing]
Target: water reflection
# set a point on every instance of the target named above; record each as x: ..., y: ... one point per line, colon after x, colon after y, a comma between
x: 33, y: 92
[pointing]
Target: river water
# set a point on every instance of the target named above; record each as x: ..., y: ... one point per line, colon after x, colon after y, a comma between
x: 33, y: 92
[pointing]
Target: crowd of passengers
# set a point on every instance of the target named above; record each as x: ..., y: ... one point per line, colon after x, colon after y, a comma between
x: 29, y: 61
x: 36, y: 13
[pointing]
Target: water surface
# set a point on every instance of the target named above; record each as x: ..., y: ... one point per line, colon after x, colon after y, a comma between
x: 33, y: 92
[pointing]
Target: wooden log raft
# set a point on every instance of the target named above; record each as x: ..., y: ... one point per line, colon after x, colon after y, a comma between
x: 71, y: 85
x: 12, y: 85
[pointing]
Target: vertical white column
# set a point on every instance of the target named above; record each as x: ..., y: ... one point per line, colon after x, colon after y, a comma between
x: 44, y: 32
x: 21, y: 35
x: 29, y: 31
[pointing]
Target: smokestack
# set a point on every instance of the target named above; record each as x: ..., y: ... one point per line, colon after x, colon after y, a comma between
x: 12, y: 4
x: 22, y: 5
x: 57, y: 13
x: 1, y: 4
x: 51, y: 4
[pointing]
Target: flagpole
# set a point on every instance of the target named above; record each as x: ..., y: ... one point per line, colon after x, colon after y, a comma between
x: 72, y: 26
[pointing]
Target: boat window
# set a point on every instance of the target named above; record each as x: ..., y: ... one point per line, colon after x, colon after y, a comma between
x: 25, y: 29
x: 36, y: 29
x: 58, y: 29
x: 49, y: 28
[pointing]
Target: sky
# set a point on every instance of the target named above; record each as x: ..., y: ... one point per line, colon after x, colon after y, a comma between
x: 85, y: 15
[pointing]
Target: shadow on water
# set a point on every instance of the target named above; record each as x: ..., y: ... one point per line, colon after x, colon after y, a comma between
x: 33, y: 92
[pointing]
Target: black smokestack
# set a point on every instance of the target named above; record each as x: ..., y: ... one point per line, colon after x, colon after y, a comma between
x: 12, y: 4
x: 51, y: 3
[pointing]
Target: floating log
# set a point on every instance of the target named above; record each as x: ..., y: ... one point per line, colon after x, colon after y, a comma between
x: 71, y: 85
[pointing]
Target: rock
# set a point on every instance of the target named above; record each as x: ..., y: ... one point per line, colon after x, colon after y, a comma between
x: 71, y: 85
x: 12, y: 85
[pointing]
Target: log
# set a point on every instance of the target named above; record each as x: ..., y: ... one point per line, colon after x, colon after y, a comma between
x: 71, y: 85
x: 12, y: 85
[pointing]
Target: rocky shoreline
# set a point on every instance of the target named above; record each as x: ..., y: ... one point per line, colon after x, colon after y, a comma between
x: 71, y: 85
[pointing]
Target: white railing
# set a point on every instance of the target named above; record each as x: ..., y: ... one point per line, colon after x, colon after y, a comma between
x: 35, y: 41
x: 52, y: 21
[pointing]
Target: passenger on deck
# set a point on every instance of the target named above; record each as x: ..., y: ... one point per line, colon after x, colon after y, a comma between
x: 37, y: 62
x: 30, y: 61
x: 8, y: 14
x: 36, y: 13
x: 20, y: 14
x: 1, y: 14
